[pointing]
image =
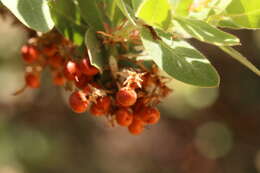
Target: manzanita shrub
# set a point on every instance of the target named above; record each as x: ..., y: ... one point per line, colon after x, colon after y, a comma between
x: 117, y: 56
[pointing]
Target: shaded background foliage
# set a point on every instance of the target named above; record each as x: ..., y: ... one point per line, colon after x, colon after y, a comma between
x: 201, y: 130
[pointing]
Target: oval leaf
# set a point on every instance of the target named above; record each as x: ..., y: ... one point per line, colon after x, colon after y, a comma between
x: 91, y: 13
x: 67, y: 20
x: 240, y: 58
x: 207, y: 8
x: 95, y: 53
x: 205, y: 32
x: 181, y: 7
x: 136, y: 3
x: 125, y: 11
x: 243, y: 13
x: 34, y: 14
x: 155, y: 13
x: 180, y: 60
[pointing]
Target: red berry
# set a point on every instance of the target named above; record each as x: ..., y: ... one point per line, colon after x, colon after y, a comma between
x: 149, y: 115
x: 102, y: 107
x: 82, y: 81
x: 87, y: 68
x: 78, y: 102
x: 126, y: 97
x: 96, y: 111
x: 87, y: 89
x: 32, y: 80
x: 96, y: 85
x: 58, y: 79
x: 50, y: 50
x: 70, y: 70
x: 29, y: 53
x: 136, y: 127
x: 56, y: 61
x: 138, y: 105
x: 124, y: 117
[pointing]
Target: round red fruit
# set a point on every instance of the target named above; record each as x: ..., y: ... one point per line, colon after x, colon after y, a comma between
x: 56, y: 61
x: 70, y: 69
x: 58, y: 79
x: 88, y: 88
x: 102, y: 107
x: 150, y: 115
x: 138, y: 105
x: 96, y: 111
x: 126, y: 97
x: 32, y: 80
x: 81, y: 81
x: 29, y: 53
x: 50, y: 50
x: 78, y: 102
x: 136, y: 127
x: 124, y: 117
x: 87, y: 68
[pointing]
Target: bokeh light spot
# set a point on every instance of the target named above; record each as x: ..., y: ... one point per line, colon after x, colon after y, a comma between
x: 213, y: 140
x: 186, y: 99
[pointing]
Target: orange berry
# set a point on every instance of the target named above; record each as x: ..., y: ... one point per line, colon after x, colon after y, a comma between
x: 149, y: 115
x: 58, y: 79
x: 96, y: 111
x: 105, y: 104
x: 138, y: 105
x: 70, y: 70
x: 29, y: 53
x: 32, y: 80
x: 78, y: 102
x: 102, y: 107
x: 124, y: 117
x: 126, y: 97
x: 87, y: 68
x: 56, y: 61
x: 136, y: 127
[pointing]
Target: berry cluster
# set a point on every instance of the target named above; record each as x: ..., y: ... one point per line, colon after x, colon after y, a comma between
x: 125, y: 95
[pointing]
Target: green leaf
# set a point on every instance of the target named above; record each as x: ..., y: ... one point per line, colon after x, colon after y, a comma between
x: 94, y: 49
x: 227, y: 23
x: 128, y: 3
x: 243, y: 13
x: 180, y: 60
x: 111, y: 9
x: 136, y: 4
x: 204, y: 9
x: 34, y: 14
x: 125, y: 11
x: 219, y: 6
x: 239, y: 57
x: 68, y: 20
x: 91, y: 12
x: 113, y: 13
x: 157, y: 14
x: 205, y: 32
x: 181, y: 7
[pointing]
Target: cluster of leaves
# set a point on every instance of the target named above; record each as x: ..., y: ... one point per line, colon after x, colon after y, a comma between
x: 164, y: 27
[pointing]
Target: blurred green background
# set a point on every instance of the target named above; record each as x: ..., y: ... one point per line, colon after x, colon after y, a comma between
x: 213, y: 130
